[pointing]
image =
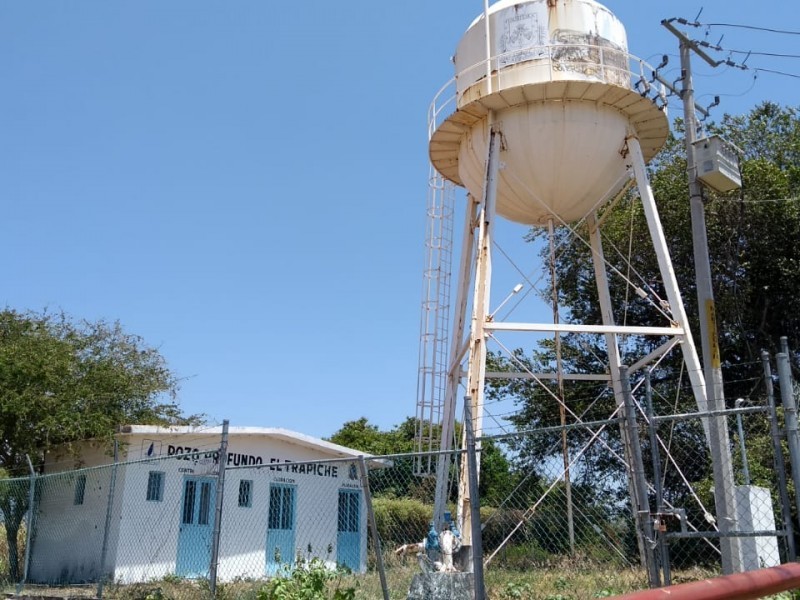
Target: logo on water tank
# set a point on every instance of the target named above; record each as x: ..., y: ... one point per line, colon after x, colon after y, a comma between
x: 522, y: 34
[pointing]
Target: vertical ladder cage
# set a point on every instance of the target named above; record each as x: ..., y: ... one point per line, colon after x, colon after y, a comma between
x: 434, y: 321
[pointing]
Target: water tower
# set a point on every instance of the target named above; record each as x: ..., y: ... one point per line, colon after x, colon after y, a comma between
x: 544, y: 125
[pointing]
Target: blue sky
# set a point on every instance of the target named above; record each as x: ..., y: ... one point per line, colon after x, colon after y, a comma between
x: 243, y: 183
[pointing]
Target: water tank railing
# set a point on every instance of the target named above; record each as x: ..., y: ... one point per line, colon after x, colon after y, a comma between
x: 545, y: 64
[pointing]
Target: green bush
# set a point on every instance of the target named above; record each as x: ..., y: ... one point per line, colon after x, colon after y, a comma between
x: 401, y: 520
x: 307, y: 580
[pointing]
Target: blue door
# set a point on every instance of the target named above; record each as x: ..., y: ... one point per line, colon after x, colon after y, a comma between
x: 348, y: 539
x: 196, y: 530
x: 280, y: 527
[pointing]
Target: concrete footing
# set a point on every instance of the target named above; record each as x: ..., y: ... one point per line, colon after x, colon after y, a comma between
x: 441, y: 586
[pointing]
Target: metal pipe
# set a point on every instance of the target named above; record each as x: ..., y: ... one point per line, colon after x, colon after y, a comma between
x: 689, y: 535
x: 614, y: 360
x: 562, y: 411
x: 474, y: 500
x: 728, y: 412
x: 780, y: 464
x: 553, y: 429
x: 741, y: 586
x: 29, y: 532
x: 215, y: 538
x: 639, y: 481
x: 655, y: 455
x: 742, y: 446
x: 488, y: 32
x: 480, y: 304
x: 790, y: 419
x: 109, y: 510
x: 373, y: 524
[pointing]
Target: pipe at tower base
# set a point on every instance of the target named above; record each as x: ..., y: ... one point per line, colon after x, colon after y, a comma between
x: 740, y: 586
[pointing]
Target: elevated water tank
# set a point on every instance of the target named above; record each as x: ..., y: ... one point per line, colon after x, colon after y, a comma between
x: 562, y: 91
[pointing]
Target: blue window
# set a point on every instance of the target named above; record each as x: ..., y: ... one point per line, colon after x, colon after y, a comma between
x: 246, y: 493
x: 80, y: 489
x: 155, y: 486
x: 205, y: 504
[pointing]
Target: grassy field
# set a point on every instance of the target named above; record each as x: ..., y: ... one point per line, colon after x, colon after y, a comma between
x: 555, y: 583
x: 559, y: 580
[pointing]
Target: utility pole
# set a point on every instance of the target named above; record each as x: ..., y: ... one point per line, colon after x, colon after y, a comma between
x: 724, y: 490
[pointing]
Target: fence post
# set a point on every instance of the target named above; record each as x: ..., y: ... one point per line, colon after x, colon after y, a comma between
x: 29, y: 532
x: 109, y: 510
x: 222, y: 462
x: 790, y: 418
x: 475, y: 504
x: 376, y: 539
x: 640, y: 482
x: 655, y: 453
x: 742, y: 446
x: 780, y: 464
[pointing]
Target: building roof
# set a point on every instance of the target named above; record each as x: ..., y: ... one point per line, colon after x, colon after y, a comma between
x: 285, y: 435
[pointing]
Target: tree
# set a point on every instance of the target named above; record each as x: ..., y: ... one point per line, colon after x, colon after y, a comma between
x: 361, y: 435
x: 495, y: 483
x: 62, y: 381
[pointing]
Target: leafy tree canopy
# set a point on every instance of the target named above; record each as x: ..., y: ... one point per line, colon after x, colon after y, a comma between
x: 361, y: 435
x: 63, y: 380
x: 496, y: 479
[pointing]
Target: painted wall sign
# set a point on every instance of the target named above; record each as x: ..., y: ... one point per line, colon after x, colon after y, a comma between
x: 236, y: 459
x: 287, y: 466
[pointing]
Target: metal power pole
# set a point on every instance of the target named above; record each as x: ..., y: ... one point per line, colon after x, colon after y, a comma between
x: 215, y: 538
x: 655, y: 455
x: 475, y: 506
x: 790, y: 419
x: 780, y: 464
x: 373, y: 525
x: 109, y: 512
x: 645, y: 520
x: 724, y: 491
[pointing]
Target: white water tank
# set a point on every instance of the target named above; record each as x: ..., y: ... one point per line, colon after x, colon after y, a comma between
x: 562, y: 91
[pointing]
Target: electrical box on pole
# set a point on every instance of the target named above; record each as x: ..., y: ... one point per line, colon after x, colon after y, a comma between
x: 717, y: 164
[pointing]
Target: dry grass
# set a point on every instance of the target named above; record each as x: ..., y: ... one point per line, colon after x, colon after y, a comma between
x: 564, y: 580
x: 540, y: 584
x: 21, y: 539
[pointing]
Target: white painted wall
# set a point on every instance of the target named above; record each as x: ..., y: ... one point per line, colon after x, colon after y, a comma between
x: 68, y: 537
x: 143, y: 538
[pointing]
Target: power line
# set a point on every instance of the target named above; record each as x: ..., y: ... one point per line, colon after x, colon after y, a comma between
x: 738, y: 26
x: 774, y: 72
x: 735, y: 25
x: 697, y: 44
x: 755, y: 53
x: 719, y: 48
x: 765, y: 201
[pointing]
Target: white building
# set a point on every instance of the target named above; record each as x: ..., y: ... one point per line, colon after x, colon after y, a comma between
x: 154, y: 514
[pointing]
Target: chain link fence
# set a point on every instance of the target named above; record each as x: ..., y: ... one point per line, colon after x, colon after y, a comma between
x: 758, y: 533
x: 145, y: 530
x: 561, y: 508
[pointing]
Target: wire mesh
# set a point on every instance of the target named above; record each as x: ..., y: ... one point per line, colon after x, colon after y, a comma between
x: 757, y: 534
x: 144, y: 529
